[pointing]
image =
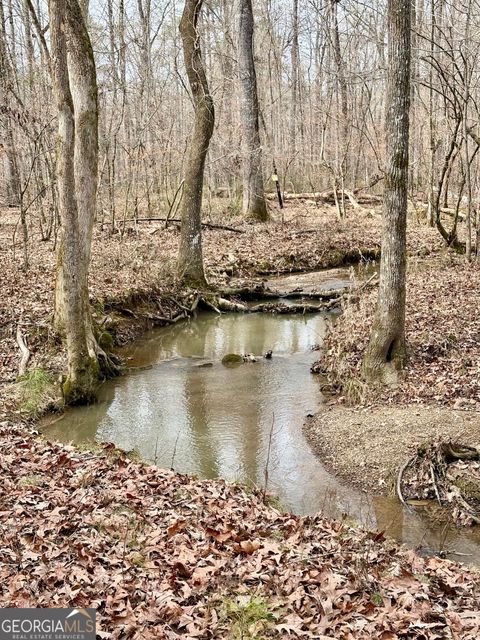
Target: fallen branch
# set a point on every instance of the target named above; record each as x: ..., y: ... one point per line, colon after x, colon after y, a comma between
x: 271, y: 307
x: 24, y: 351
x: 210, y: 305
x: 207, y: 225
x: 162, y: 320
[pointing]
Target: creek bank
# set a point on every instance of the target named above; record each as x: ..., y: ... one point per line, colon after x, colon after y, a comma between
x: 367, y: 445
x: 368, y: 433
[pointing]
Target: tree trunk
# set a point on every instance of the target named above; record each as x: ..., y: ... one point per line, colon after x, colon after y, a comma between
x: 254, y: 203
x: 76, y: 170
x: 7, y: 142
x: 190, y: 258
x: 386, y: 352
x: 343, y: 126
x: 294, y: 59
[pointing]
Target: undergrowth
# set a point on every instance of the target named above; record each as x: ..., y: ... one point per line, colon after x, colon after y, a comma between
x: 36, y: 391
x: 249, y: 616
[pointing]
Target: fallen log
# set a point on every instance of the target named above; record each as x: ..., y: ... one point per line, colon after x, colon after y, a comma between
x: 271, y: 307
x: 264, y: 293
x: 231, y: 307
x: 206, y: 225
x: 329, y: 196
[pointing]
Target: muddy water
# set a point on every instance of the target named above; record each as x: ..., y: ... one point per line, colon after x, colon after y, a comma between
x: 181, y: 407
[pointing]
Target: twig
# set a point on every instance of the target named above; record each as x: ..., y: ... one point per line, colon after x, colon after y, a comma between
x: 365, y: 284
x: 267, y: 462
x: 432, y: 475
x: 24, y: 351
x: 399, y: 481
x: 175, y: 450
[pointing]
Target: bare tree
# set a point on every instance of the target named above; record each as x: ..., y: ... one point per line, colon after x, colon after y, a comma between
x: 386, y: 352
x: 190, y: 257
x: 254, y: 204
x: 75, y: 90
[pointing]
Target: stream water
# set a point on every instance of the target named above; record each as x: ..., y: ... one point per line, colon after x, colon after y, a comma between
x: 181, y: 407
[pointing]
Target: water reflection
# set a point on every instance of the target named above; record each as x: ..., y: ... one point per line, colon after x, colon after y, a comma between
x: 216, y: 421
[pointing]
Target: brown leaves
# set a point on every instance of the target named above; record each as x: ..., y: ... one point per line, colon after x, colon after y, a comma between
x: 155, y: 566
x: 443, y: 326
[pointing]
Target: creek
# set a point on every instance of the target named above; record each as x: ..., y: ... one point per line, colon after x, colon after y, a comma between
x: 180, y: 407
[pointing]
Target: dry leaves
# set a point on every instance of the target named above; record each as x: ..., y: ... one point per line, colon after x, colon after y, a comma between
x: 443, y: 330
x: 160, y: 555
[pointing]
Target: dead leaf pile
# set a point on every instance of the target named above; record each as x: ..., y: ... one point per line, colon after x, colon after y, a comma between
x: 162, y: 555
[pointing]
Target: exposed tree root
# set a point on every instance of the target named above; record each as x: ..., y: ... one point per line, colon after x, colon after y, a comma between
x: 448, y: 473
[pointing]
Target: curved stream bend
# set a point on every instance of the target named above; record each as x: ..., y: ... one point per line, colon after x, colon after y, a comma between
x: 183, y: 408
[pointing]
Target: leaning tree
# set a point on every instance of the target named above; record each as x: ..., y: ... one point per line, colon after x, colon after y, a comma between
x: 386, y: 352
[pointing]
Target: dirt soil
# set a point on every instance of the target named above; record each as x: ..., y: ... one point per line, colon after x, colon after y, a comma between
x: 367, y: 445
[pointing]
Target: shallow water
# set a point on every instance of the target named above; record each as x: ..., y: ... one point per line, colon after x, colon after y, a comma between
x: 181, y: 407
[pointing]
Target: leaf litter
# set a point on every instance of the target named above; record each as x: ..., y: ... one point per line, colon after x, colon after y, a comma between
x: 163, y: 555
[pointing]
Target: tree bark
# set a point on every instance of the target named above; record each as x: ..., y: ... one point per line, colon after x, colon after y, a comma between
x: 7, y: 142
x: 190, y: 259
x: 294, y: 58
x: 254, y: 203
x: 386, y: 352
x: 76, y: 171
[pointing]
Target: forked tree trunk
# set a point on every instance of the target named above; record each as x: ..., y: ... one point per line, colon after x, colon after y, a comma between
x: 75, y: 93
x: 254, y: 203
x: 190, y: 257
x: 386, y: 352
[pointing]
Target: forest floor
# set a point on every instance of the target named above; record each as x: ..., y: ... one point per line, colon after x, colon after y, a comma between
x: 159, y: 554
